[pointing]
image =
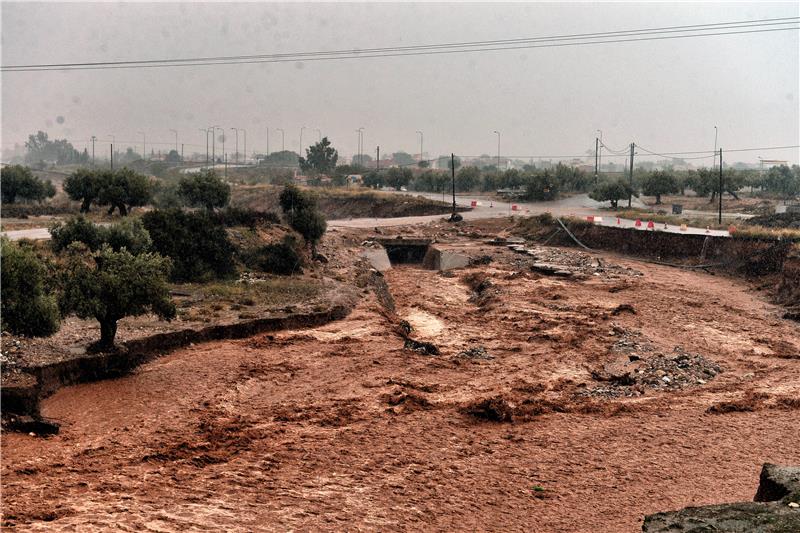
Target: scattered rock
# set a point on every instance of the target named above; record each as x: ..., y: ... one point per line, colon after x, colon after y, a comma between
x: 495, y: 409
x: 478, y: 352
x: 623, y: 308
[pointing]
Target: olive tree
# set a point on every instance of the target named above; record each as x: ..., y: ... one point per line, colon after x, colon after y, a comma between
x: 659, y: 182
x: 27, y: 306
x: 204, y: 189
x: 612, y: 191
x: 109, y: 286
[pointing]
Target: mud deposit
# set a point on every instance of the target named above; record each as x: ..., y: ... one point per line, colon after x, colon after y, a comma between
x: 525, y: 420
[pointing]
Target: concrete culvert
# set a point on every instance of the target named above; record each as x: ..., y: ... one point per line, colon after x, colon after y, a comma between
x: 404, y: 251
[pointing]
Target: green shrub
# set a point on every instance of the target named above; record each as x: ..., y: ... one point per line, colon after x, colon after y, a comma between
x: 276, y: 258
x: 17, y: 181
x: 27, y: 309
x: 238, y: 216
x: 195, y: 241
x: 302, y: 213
x: 204, y: 189
x: 129, y: 234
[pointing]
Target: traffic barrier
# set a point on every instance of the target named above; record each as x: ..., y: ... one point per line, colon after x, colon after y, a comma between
x: 618, y: 221
x: 514, y: 207
x: 708, y: 229
x: 473, y: 203
x: 590, y: 218
x: 638, y: 223
x: 650, y: 225
x: 598, y: 220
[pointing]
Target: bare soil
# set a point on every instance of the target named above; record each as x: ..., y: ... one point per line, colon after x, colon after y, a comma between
x: 510, y: 428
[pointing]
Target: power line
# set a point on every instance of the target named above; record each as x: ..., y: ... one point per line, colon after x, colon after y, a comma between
x: 449, y: 48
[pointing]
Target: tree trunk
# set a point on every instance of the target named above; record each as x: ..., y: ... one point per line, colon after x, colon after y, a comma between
x: 85, y: 206
x: 108, y: 331
x: 613, y: 204
x: 713, y: 196
x: 732, y: 193
x: 658, y: 199
x: 122, y: 210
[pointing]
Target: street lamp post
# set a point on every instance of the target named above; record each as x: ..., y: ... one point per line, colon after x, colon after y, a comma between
x: 420, y: 145
x: 716, y: 131
x: 600, y: 152
x: 245, y: 145
x: 213, y: 145
x: 144, y: 143
x: 93, y: 140
x: 283, y: 139
x: 361, y: 145
x: 498, y: 149
x: 223, y: 144
x: 237, y: 144
x: 204, y: 130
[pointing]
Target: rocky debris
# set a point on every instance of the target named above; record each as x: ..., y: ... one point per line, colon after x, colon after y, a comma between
x: 778, y: 483
x: 638, y: 365
x: 623, y: 308
x: 479, y: 352
x: 34, y: 425
x: 421, y: 347
x: 774, y: 510
x: 549, y: 269
x: 481, y: 260
x: 495, y: 409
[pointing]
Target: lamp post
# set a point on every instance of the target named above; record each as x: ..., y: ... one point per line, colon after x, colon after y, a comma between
x: 420, y: 145
x: 283, y: 139
x: 360, y: 145
x: 716, y: 131
x: 301, y: 139
x: 498, y: 149
x: 176, y: 139
x: 213, y: 145
x: 144, y: 144
x: 245, y: 144
x: 204, y: 130
x: 93, y: 140
x: 223, y: 142
x: 600, y: 152
x: 237, y: 144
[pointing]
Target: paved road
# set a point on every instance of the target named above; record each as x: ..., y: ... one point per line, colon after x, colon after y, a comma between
x: 578, y: 206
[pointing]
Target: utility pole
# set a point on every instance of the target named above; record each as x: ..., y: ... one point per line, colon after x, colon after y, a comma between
x: 498, y: 150
x: 112, y: 156
x: 245, y: 145
x: 719, y: 221
x: 93, y: 140
x: 378, y: 160
x: 453, y: 172
x: 596, y: 158
x: 360, y: 145
x: 237, y: 143
x: 420, y: 145
x: 181, y: 152
x: 630, y: 195
x: 224, y: 158
x: 267, y: 154
x: 176, y: 139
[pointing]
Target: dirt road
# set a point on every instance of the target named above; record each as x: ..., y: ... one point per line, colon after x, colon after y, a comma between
x: 340, y: 428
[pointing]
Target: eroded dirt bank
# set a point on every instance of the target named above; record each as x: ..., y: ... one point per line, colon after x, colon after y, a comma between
x: 341, y: 428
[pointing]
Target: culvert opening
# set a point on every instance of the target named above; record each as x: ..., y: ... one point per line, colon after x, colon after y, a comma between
x: 405, y: 251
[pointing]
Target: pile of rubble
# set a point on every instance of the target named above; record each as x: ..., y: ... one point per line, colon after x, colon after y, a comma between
x: 564, y: 262
x: 637, y: 365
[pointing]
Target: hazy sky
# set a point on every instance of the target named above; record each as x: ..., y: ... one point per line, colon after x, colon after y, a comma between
x: 663, y: 95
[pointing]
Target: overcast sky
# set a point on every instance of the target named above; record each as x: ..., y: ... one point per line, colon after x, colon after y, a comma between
x: 663, y: 95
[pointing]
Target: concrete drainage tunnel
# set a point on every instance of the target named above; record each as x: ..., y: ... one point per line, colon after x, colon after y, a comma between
x: 399, y: 251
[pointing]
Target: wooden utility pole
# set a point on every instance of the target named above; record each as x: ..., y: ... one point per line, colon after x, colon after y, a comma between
x: 112, y: 156
x: 453, y: 171
x: 378, y: 159
x: 630, y: 195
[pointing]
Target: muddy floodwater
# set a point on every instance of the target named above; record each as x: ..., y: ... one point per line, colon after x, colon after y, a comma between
x: 341, y: 428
